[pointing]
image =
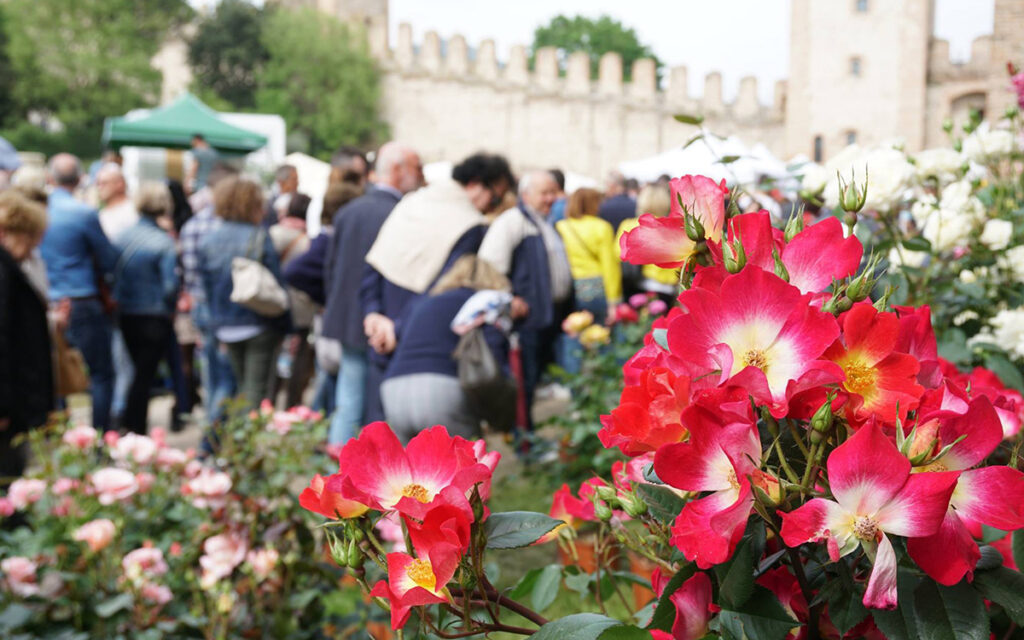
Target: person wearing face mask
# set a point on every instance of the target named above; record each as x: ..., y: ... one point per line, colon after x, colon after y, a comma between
x: 26, y: 365
x: 423, y: 236
x: 523, y: 246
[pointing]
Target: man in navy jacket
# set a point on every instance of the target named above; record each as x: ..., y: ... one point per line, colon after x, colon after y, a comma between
x: 356, y: 225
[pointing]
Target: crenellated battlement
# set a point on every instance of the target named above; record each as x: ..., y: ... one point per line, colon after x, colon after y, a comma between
x: 453, y: 60
x: 941, y: 68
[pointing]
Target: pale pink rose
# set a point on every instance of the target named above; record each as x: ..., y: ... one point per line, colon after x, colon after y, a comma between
x: 112, y: 484
x: 169, y: 458
x: 25, y: 491
x: 145, y: 481
x: 20, y: 576
x: 64, y: 485
x: 157, y: 594
x: 266, y: 407
x: 96, y: 533
x: 175, y: 549
x: 6, y: 507
x: 305, y: 413
x: 159, y: 435
x: 145, y: 562
x: 111, y: 438
x: 81, y: 437
x: 208, y: 489
x: 262, y: 562
x: 63, y: 508
x: 221, y: 554
x: 192, y: 468
x: 282, y: 422
x: 135, y: 448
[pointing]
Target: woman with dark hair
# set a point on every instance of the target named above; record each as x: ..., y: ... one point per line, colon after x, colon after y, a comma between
x: 146, y: 288
x: 252, y: 339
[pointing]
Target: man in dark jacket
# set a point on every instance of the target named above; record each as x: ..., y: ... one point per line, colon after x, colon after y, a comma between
x: 26, y: 365
x: 617, y: 205
x: 356, y: 225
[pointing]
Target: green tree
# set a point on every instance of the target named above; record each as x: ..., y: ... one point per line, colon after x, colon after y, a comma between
x: 227, y: 53
x: 595, y: 37
x: 321, y: 79
x: 79, y: 61
x: 6, y: 73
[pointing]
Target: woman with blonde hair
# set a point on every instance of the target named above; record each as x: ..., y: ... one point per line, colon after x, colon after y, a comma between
x: 421, y: 385
x: 656, y: 200
x: 252, y: 340
x: 590, y: 246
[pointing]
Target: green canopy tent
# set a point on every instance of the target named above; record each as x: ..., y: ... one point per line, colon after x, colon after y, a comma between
x: 173, y: 126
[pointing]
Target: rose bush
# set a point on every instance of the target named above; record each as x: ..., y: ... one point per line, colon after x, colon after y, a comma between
x: 801, y: 463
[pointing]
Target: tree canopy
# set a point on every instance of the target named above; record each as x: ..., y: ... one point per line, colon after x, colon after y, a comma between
x: 321, y: 79
x: 227, y: 54
x: 595, y: 37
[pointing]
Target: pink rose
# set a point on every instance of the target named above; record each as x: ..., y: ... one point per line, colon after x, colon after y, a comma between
x: 81, y: 437
x: 159, y: 435
x: 221, y: 554
x: 64, y: 485
x: 169, y: 458
x: 266, y: 407
x: 305, y: 413
x: 192, y: 468
x: 262, y: 562
x: 657, y: 307
x: 20, y: 576
x: 6, y: 507
x: 145, y: 481
x: 637, y: 300
x: 96, y: 533
x: 282, y: 422
x: 487, y: 458
x: 112, y: 484
x: 25, y: 491
x: 144, y: 562
x: 208, y: 489
x: 135, y: 448
x: 63, y: 508
x: 111, y: 438
x: 157, y: 594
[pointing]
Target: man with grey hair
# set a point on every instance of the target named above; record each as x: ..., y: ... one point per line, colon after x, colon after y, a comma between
x: 523, y: 246
x: 617, y: 205
x: 78, y: 258
x: 117, y: 211
x: 356, y: 225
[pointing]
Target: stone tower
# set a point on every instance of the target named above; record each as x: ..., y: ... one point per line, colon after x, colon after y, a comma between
x: 1007, y: 46
x: 858, y: 73
x: 371, y: 15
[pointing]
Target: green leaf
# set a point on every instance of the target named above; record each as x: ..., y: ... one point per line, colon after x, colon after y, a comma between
x: 950, y: 613
x: 515, y: 529
x: 845, y: 608
x: 918, y: 243
x: 736, y: 578
x: 579, y: 626
x: 660, y: 337
x: 111, y: 606
x: 1018, y: 547
x: 1005, y: 587
x: 664, y: 503
x: 1006, y: 370
x: 728, y: 159
x: 699, y: 136
x: 991, y: 534
x: 900, y: 624
x: 625, y: 632
x: 14, y: 616
x: 761, y: 618
x: 525, y: 584
x: 665, y: 611
x: 689, y: 119
x: 546, y: 588
x: 578, y: 582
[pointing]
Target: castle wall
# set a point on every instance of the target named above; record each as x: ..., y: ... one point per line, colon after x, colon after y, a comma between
x: 449, y: 107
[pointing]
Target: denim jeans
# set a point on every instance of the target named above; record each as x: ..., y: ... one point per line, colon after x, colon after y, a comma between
x: 215, y: 370
x: 123, y: 374
x: 348, y: 401
x: 91, y: 331
x: 324, y: 385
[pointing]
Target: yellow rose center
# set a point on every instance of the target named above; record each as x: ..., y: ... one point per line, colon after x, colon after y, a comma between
x: 420, y: 572
x: 860, y: 377
x: 865, y: 528
x: 416, y: 492
x: 733, y: 481
x: 755, y: 358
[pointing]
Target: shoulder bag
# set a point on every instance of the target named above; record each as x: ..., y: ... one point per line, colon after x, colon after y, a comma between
x: 253, y: 286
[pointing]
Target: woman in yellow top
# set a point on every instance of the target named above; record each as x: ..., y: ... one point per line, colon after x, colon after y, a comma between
x: 656, y: 200
x: 593, y: 257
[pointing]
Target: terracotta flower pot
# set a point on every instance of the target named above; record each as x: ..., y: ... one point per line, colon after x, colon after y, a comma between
x: 643, y: 568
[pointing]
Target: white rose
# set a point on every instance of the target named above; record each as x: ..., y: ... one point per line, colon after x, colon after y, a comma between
x: 923, y: 208
x: 965, y: 316
x: 943, y: 164
x: 906, y: 257
x: 948, y: 230
x: 996, y: 234
x: 987, y: 144
x: 1013, y: 262
x: 957, y: 197
x: 814, y: 177
x: 887, y: 172
x: 968, y: 277
x: 1008, y: 331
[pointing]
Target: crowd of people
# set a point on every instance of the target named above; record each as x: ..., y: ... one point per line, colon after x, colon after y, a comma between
x: 215, y: 290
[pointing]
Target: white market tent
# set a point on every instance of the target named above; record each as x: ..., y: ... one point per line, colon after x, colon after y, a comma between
x: 313, y: 176
x: 703, y: 157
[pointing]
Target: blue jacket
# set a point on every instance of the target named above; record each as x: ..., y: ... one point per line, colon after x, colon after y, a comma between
x: 531, y: 280
x: 75, y: 250
x: 616, y: 209
x: 145, y: 278
x: 216, y: 251
x: 356, y: 226
x: 306, y: 272
x: 428, y: 344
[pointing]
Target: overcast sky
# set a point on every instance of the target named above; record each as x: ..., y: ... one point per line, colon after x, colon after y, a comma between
x: 736, y: 37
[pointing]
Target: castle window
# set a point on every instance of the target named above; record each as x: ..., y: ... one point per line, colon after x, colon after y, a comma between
x: 819, y: 148
x: 851, y: 137
x: 855, y: 66
x: 861, y: 6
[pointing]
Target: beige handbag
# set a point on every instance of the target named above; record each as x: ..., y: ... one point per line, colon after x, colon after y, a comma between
x: 71, y: 370
x: 253, y: 286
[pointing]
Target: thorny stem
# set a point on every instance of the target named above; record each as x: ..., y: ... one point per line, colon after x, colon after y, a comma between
x: 798, y: 439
